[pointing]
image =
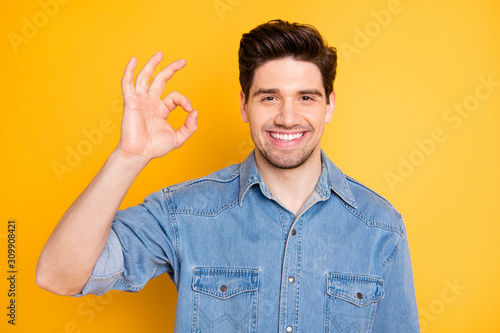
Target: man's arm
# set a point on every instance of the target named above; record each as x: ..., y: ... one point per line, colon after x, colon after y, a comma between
x: 72, y: 250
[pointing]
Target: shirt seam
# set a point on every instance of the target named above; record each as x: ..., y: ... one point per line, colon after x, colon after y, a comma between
x: 394, y: 251
x: 93, y: 278
x: 177, y: 243
x: 372, y: 191
x: 220, y: 209
x: 374, y: 223
x: 232, y: 176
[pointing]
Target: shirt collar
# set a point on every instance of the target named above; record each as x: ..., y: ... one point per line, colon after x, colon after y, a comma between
x: 331, y: 179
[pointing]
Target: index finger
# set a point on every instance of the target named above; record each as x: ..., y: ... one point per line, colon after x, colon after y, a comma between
x: 159, y: 81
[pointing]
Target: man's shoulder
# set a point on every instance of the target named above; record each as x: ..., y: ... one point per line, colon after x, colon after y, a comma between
x: 225, y: 175
x: 205, y: 195
x: 373, y: 208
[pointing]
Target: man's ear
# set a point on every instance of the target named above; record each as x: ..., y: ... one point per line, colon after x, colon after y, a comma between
x: 330, y: 107
x: 243, y: 108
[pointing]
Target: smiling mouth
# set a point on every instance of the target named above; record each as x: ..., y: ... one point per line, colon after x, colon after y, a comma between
x: 286, y: 137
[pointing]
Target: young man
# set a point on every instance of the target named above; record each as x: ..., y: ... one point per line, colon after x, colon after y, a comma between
x: 283, y: 242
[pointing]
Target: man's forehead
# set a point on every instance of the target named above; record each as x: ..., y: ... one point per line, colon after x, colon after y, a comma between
x: 287, y: 75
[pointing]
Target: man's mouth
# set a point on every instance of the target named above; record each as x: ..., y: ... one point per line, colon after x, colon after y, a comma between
x: 286, y: 137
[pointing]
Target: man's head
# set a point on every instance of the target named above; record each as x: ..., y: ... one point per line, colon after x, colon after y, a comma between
x: 279, y: 39
x: 286, y: 72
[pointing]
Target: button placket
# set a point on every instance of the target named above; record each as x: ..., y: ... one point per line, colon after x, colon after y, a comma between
x: 293, y: 248
x: 290, y: 285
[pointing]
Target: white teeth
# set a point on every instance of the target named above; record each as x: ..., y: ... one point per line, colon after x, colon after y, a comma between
x: 286, y: 137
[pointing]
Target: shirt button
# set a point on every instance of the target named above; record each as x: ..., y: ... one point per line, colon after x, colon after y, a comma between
x: 289, y: 329
x: 360, y: 295
x: 223, y: 288
x: 294, y: 232
x: 291, y: 279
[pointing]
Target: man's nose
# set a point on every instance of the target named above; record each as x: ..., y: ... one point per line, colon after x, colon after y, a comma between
x: 287, y: 116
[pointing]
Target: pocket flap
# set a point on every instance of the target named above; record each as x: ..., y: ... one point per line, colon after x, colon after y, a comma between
x: 225, y: 282
x: 356, y: 289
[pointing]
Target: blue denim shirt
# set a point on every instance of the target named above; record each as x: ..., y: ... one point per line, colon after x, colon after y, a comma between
x: 242, y: 262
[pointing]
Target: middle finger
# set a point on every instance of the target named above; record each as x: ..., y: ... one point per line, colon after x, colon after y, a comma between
x: 142, y: 80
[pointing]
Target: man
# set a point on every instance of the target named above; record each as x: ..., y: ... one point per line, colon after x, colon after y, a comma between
x: 283, y: 242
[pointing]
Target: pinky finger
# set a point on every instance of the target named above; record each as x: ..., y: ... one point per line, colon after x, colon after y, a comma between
x: 128, y: 77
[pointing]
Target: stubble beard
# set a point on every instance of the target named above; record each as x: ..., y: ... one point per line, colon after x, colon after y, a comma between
x: 282, y: 159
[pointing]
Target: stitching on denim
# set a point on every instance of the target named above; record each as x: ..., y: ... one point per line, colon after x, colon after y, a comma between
x: 370, y: 323
x: 225, y: 317
x: 133, y: 287
x: 187, y: 183
x: 245, y: 195
x: 216, y: 271
x: 369, y: 189
x: 354, y: 277
x: 349, y: 195
x: 282, y: 221
x: 255, y: 305
x: 283, y: 286
x: 177, y: 244
x: 339, y: 329
x: 130, y: 286
x: 195, y: 311
x: 216, y: 294
x: 105, y: 278
x: 251, y: 285
x: 206, y: 213
x: 248, y: 319
x: 377, y: 224
x: 358, y: 279
x: 299, y: 273
x: 393, y: 253
x: 325, y: 307
x: 353, y: 325
x: 248, y: 187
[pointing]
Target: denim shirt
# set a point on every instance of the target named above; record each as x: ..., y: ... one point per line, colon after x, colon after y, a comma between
x: 242, y: 262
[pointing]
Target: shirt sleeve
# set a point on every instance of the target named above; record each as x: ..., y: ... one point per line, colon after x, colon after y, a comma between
x: 397, y: 311
x: 140, y: 246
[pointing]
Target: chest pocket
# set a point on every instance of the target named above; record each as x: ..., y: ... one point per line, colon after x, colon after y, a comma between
x: 225, y: 300
x: 350, y: 302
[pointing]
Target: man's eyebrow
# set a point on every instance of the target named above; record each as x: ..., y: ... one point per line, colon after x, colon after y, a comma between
x: 311, y: 92
x: 261, y: 91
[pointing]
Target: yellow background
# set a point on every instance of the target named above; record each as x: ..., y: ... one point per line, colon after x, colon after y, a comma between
x: 398, y: 78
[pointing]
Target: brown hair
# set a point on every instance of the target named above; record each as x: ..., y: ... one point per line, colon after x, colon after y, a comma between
x: 279, y: 39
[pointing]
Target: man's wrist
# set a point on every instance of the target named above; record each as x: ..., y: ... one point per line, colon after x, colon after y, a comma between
x: 131, y: 162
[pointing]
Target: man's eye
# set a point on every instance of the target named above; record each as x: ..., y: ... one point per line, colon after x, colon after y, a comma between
x: 268, y: 98
x: 307, y: 98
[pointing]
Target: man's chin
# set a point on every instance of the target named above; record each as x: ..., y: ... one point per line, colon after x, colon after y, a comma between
x: 286, y: 161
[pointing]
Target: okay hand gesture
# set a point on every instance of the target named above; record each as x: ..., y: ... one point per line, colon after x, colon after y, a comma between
x: 145, y: 131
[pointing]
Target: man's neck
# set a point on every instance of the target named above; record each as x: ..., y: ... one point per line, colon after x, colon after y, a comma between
x: 292, y: 187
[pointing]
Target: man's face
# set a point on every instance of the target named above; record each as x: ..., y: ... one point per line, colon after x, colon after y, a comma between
x: 287, y: 111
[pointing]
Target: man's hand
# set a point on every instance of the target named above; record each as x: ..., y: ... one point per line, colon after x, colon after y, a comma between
x: 145, y: 133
